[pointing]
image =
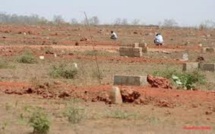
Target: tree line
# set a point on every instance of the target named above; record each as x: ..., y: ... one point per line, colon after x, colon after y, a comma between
x: 94, y: 20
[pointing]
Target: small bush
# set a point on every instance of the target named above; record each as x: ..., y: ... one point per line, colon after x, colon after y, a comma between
x: 119, y: 114
x: 27, y: 58
x: 152, y: 119
x: 75, y: 114
x: 188, y: 80
x: 63, y: 71
x: 97, y: 74
x: 4, y: 64
x: 185, y: 80
x: 3, y: 127
x: 39, y: 122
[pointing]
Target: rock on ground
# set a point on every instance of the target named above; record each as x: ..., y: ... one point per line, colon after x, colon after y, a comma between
x: 158, y: 82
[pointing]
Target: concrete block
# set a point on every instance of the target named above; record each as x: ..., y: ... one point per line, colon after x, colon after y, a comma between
x: 137, y: 52
x: 144, y: 46
x: 144, y: 49
x: 115, y: 96
x: 137, y: 49
x: 135, y: 45
x: 190, y: 66
x: 130, y: 80
x: 125, y: 51
x: 130, y: 51
x: 207, y: 67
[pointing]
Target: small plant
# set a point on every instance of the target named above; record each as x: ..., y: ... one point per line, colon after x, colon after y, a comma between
x: 27, y: 58
x: 4, y: 64
x: 8, y: 106
x: 188, y: 80
x: 75, y: 114
x: 63, y: 71
x: 39, y: 122
x: 185, y: 80
x: 152, y: 120
x: 3, y: 127
x: 119, y: 114
x: 97, y: 74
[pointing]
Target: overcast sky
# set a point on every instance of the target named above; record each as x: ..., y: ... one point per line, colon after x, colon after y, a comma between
x: 185, y: 12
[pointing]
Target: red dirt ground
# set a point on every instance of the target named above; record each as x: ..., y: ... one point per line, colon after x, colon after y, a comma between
x: 34, y: 38
x: 158, y: 97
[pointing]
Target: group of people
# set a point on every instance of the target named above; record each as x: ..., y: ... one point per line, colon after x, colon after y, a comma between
x: 158, y: 40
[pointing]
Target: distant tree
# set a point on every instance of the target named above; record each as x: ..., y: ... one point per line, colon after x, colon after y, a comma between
x: 160, y: 24
x: 94, y: 20
x: 84, y: 21
x: 58, y: 19
x: 135, y: 22
x: 120, y: 21
x: 4, y: 18
x: 21, y: 19
x: 117, y: 21
x: 169, y: 23
x: 91, y: 21
x: 124, y: 22
x: 43, y: 20
x: 208, y: 24
x: 74, y: 21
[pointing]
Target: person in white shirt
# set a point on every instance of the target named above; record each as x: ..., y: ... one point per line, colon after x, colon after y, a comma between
x: 158, y: 40
x: 113, y: 35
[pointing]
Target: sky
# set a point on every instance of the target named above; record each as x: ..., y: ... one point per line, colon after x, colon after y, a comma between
x: 184, y: 12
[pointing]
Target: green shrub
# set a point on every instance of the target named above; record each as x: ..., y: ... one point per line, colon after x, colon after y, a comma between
x: 63, y: 71
x: 27, y: 58
x: 188, y: 80
x: 185, y: 80
x: 75, y: 114
x: 39, y: 122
